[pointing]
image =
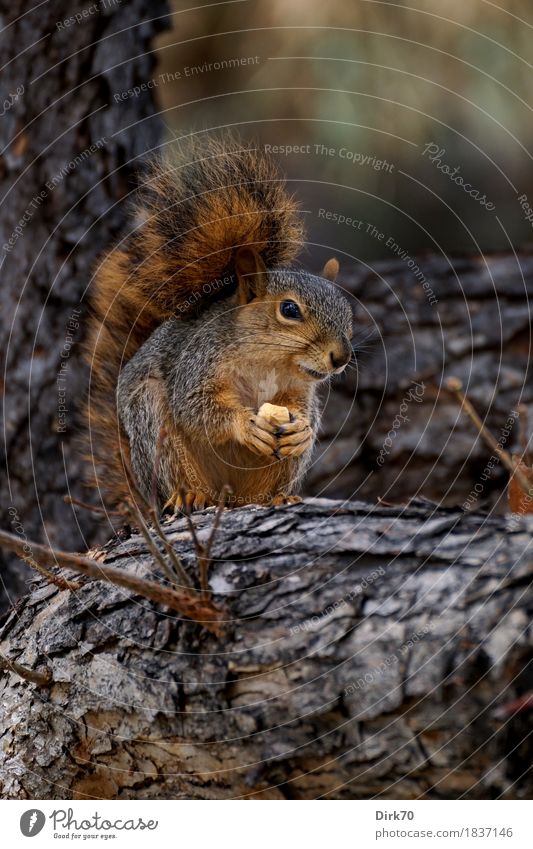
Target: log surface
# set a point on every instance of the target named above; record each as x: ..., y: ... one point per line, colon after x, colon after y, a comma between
x: 479, y: 330
x: 369, y: 651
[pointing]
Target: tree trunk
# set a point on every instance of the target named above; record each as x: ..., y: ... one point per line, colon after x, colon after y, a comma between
x: 368, y: 652
x: 473, y: 322
x: 68, y: 154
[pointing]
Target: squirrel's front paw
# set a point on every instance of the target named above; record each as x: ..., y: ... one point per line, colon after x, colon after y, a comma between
x: 294, y: 438
x: 259, y: 435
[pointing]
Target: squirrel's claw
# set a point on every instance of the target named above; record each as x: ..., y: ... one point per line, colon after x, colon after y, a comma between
x: 264, y: 436
x: 280, y: 499
x: 187, y: 501
x: 259, y: 436
x: 297, y: 441
x: 296, y: 425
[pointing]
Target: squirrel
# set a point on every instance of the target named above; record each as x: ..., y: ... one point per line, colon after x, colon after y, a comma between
x: 206, y: 345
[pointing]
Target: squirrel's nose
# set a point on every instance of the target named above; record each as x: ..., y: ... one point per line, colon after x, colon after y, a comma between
x: 340, y: 357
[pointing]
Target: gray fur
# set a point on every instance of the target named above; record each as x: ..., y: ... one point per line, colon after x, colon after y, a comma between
x: 173, y: 376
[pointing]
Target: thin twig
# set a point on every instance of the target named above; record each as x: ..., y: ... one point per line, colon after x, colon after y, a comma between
x: 198, y: 546
x: 185, y: 602
x: 523, y: 421
x: 386, y: 503
x: 57, y: 580
x: 173, y: 569
x: 157, y: 460
x: 175, y: 564
x: 204, y: 562
x: 43, y: 679
x: 455, y: 386
x: 224, y: 492
x: 203, y: 551
x: 135, y: 515
x: 69, y: 499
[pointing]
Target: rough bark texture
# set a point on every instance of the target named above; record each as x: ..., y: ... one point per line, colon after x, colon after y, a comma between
x: 69, y: 72
x: 479, y: 330
x: 369, y: 651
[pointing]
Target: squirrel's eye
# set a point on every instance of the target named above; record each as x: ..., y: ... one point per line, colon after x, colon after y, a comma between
x: 290, y: 309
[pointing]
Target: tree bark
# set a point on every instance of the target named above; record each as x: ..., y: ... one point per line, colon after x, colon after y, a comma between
x: 68, y: 153
x: 368, y: 652
x: 474, y: 322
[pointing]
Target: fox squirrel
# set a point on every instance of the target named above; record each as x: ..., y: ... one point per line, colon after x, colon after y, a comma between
x: 205, y: 347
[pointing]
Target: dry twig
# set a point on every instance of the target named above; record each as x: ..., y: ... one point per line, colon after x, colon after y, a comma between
x: 57, y: 580
x: 203, y: 552
x: 76, y: 502
x: 185, y: 602
x: 455, y: 386
x: 42, y: 679
x: 524, y: 435
x: 173, y: 568
x: 157, y: 460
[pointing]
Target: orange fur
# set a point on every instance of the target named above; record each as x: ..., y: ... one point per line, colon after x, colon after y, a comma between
x: 192, y: 213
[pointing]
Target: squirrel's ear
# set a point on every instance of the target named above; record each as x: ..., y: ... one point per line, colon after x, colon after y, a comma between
x: 251, y: 274
x: 330, y: 270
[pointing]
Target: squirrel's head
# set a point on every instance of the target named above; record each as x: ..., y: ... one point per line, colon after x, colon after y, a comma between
x: 302, y: 318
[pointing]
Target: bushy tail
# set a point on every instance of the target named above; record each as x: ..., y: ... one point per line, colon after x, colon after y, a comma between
x: 194, y: 209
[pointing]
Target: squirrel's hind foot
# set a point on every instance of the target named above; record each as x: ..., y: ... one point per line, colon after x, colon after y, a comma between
x: 186, y: 501
x: 280, y: 499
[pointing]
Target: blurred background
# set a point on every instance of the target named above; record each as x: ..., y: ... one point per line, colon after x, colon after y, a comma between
x: 365, y: 87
